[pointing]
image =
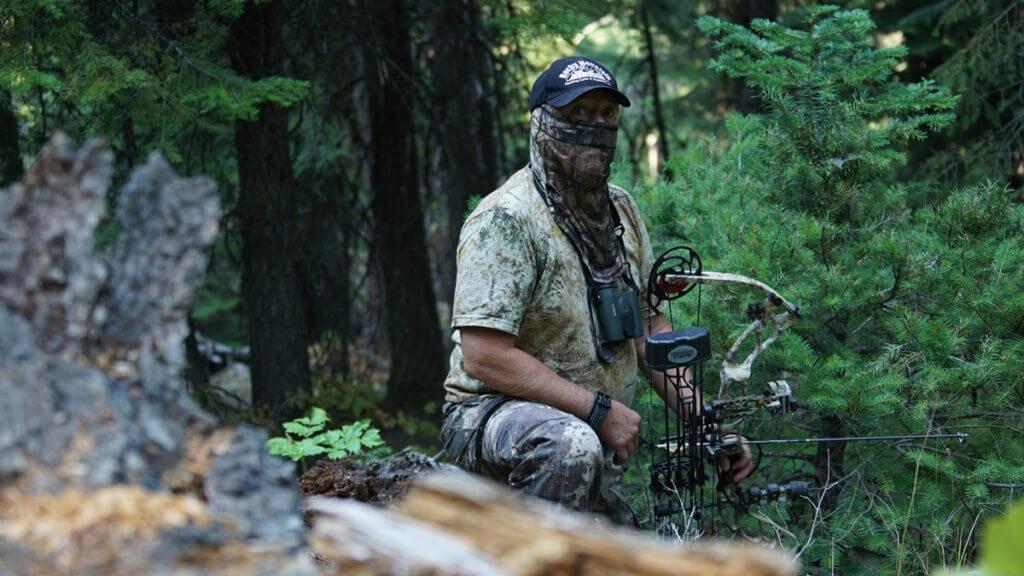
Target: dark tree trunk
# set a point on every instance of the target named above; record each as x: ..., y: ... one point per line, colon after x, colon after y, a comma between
x: 417, y: 355
x: 327, y: 227
x: 829, y: 460
x: 329, y: 214
x: 268, y: 216
x: 10, y: 152
x: 326, y: 234
x: 744, y: 12
x: 461, y: 69
x: 652, y: 64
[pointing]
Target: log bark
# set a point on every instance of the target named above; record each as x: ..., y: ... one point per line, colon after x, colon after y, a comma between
x: 353, y: 537
x: 107, y: 466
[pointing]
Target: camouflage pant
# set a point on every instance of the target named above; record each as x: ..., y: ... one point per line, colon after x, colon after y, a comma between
x: 537, y: 449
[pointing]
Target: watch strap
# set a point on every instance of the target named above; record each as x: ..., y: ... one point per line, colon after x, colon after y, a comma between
x: 599, y: 410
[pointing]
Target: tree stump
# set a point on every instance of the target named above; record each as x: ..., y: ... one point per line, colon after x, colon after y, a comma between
x: 107, y: 466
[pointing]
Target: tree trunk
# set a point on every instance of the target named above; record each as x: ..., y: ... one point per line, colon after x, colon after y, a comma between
x: 267, y: 210
x: 743, y: 96
x: 829, y: 459
x: 461, y: 70
x: 652, y: 63
x: 325, y: 281
x: 410, y: 309
x: 330, y: 217
x: 10, y: 153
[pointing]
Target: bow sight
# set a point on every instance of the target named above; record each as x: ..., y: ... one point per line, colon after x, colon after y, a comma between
x: 699, y: 436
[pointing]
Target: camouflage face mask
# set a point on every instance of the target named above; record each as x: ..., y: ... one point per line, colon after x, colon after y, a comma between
x: 571, y: 162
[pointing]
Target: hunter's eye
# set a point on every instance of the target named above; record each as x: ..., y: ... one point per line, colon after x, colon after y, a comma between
x: 579, y: 112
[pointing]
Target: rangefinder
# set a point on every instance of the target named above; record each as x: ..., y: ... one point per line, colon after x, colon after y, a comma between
x: 618, y: 313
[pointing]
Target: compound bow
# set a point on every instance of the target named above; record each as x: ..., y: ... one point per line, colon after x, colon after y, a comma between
x: 697, y: 436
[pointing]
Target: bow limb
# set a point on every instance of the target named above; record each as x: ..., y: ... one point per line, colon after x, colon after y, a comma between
x: 733, y: 371
x: 739, y: 372
x: 706, y: 277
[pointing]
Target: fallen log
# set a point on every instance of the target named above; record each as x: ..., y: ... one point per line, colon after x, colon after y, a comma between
x: 452, y: 521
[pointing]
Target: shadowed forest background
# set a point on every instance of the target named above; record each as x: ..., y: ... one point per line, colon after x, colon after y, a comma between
x: 867, y: 161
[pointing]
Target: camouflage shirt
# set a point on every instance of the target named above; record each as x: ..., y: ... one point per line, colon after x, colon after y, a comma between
x: 518, y: 273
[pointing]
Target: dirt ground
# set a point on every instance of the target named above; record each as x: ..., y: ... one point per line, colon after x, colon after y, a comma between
x: 376, y: 482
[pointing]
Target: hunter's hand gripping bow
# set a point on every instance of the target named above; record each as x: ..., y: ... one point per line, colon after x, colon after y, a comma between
x: 700, y: 434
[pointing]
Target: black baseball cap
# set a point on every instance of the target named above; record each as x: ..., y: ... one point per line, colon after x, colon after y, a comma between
x: 568, y: 78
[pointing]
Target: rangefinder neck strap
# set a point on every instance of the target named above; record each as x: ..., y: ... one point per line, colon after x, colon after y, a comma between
x: 614, y: 313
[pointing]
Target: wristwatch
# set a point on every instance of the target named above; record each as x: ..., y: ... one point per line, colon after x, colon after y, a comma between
x: 599, y: 410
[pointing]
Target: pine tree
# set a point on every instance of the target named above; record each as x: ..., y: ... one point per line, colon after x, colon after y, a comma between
x: 911, y: 320
x: 145, y: 76
x: 977, y: 49
x: 837, y: 108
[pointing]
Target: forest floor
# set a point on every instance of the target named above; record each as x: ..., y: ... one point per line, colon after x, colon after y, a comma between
x: 375, y: 482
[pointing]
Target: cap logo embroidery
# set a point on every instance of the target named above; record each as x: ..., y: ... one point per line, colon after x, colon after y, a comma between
x: 582, y: 71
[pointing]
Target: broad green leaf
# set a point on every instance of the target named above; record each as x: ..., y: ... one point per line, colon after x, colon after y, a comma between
x: 337, y: 454
x: 372, y: 439
x: 309, y: 447
x: 1002, y: 543
x: 302, y: 430
x: 284, y: 448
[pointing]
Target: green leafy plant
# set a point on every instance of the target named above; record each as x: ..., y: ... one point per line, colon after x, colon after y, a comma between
x: 307, y: 436
x: 1000, y: 550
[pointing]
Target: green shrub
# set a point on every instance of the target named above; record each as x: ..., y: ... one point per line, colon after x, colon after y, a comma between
x: 305, y: 437
x: 913, y: 320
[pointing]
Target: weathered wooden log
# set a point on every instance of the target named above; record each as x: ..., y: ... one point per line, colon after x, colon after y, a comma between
x: 357, y: 538
x: 520, y: 536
